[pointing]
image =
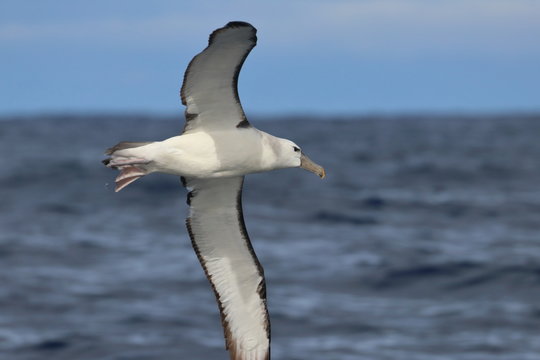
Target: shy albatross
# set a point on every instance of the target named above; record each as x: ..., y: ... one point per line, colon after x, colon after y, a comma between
x: 217, y: 147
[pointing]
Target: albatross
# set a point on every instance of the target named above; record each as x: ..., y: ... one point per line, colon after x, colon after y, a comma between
x: 217, y: 147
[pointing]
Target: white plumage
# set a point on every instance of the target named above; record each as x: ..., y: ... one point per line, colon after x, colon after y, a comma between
x: 216, y: 149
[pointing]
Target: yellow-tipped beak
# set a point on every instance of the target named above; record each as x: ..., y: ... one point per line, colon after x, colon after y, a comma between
x: 307, y: 164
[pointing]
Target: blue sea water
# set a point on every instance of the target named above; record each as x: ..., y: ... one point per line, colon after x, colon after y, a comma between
x: 423, y: 243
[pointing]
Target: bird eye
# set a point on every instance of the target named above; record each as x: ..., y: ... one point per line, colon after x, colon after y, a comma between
x: 296, y: 148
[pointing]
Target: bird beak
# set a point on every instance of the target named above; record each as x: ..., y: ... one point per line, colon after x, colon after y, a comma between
x: 307, y: 164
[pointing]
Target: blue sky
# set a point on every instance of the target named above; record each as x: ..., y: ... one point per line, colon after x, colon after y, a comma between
x: 320, y: 57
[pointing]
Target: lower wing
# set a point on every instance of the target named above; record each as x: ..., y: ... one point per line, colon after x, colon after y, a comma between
x: 219, y: 237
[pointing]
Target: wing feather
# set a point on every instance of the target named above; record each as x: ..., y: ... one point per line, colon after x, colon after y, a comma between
x: 219, y: 237
x: 210, y: 87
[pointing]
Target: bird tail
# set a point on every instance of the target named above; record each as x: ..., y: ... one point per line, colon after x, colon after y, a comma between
x: 131, y: 167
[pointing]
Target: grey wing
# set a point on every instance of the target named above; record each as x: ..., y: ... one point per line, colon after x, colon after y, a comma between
x: 210, y: 90
x: 219, y: 237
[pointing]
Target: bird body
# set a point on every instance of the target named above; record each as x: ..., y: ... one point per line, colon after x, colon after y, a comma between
x: 216, y: 149
x: 212, y: 154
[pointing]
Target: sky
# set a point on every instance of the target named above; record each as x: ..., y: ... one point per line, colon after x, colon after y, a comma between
x: 312, y: 57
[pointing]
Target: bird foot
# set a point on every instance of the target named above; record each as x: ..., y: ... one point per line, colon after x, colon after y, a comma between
x: 128, y: 174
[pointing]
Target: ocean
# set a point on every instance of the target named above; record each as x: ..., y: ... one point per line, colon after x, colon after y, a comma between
x: 423, y: 242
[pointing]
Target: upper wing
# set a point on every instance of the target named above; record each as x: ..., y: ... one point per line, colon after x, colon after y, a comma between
x: 219, y: 237
x: 210, y: 83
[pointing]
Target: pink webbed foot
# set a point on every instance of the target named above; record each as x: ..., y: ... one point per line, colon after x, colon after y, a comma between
x: 128, y: 174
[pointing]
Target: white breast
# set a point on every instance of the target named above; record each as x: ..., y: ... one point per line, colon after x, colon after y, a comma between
x: 209, y: 154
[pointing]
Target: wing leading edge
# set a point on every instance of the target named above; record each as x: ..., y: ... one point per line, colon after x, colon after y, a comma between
x: 219, y: 237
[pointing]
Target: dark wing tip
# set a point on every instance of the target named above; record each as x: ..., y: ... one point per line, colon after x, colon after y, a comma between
x: 234, y: 25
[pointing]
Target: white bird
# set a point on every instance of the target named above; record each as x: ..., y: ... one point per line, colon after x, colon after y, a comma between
x: 216, y: 149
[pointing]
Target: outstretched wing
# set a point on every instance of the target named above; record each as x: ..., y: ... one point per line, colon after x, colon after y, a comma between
x: 210, y: 90
x: 219, y: 237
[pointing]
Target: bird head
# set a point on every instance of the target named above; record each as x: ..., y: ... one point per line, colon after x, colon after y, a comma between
x: 291, y: 155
